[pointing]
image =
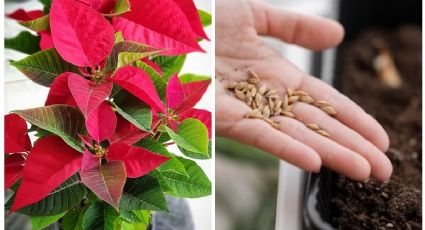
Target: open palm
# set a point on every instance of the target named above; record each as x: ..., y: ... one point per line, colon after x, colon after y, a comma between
x: 356, y: 143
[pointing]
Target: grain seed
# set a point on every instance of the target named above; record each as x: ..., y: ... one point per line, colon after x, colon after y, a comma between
x: 293, y: 99
x: 289, y: 108
x: 278, y: 103
x: 254, y: 114
x: 288, y: 114
x: 271, y: 105
x: 329, y: 110
x: 262, y: 89
x: 240, y: 85
x: 240, y: 95
x: 258, y: 99
x: 285, y: 102
x: 266, y: 111
x: 253, y: 91
x: 231, y: 85
x: 253, y: 78
x: 277, y: 111
x: 306, y: 99
x: 322, y: 132
x: 248, y: 98
x: 271, y: 93
x: 289, y: 91
x: 313, y: 126
x: 300, y: 93
x: 321, y: 103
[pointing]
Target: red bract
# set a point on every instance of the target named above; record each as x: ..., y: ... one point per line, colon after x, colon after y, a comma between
x: 160, y: 24
x: 103, y: 6
x: 16, y: 137
x: 137, y: 82
x: 46, y: 41
x: 48, y: 165
x: 81, y: 35
x: 101, y: 123
x: 138, y: 161
x: 22, y: 15
x: 59, y: 92
x: 14, y: 166
x: 181, y: 98
x: 189, y: 9
x: 126, y: 132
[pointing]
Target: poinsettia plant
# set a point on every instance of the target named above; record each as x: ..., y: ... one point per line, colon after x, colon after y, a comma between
x: 99, y: 156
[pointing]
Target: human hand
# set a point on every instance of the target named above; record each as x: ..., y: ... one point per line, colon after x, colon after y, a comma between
x: 357, y: 141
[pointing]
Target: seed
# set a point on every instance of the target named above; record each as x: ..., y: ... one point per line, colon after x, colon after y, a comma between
x: 244, y: 90
x: 275, y: 125
x: 278, y: 103
x: 385, y: 195
x: 240, y: 95
x: 289, y: 108
x: 253, y: 77
x: 248, y: 98
x: 266, y: 111
x: 313, y: 126
x: 271, y: 93
x: 293, y: 99
x: 329, y: 110
x: 289, y: 91
x: 250, y: 86
x: 254, y: 114
x: 258, y: 99
x: 321, y: 103
x: 322, y: 132
x: 271, y: 105
x: 254, y: 105
x: 262, y: 89
x: 241, y: 85
x: 300, y: 93
x: 277, y: 111
x: 254, y: 91
x: 306, y: 99
x: 285, y: 102
x: 389, y: 225
x: 260, y: 107
x: 288, y: 114
x: 231, y: 85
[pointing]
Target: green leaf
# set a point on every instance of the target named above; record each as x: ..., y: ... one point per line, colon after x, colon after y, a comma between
x: 158, y: 81
x: 118, y: 37
x: 62, y: 120
x: 46, y: 4
x: 73, y: 220
x: 126, y: 58
x: 205, y: 18
x: 196, y: 155
x: 143, y: 193
x: 24, y: 42
x: 125, y: 46
x: 137, y: 113
x: 192, y: 135
x: 189, y: 77
x: 44, y: 66
x: 143, y: 215
x: 124, y: 225
x: 196, y: 185
x: 121, y: 6
x: 129, y: 216
x: 169, y: 65
x: 38, y: 24
x: 171, y: 165
x: 68, y: 195
x: 100, y: 216
x: 41, y: 222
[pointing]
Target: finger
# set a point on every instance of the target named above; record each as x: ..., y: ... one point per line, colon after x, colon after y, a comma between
x: 259, y: 134
x: 308, y: 31
x: 333, y: 155
x: 380, y: 164
x: 347, y: 112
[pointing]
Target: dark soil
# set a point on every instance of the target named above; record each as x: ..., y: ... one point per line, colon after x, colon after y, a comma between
x: 398, y: 203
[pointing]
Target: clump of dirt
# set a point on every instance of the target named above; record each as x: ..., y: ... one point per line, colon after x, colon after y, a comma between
x: 396, y: 204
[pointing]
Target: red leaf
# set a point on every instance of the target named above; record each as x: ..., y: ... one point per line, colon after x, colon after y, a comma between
x: 46, y: 41
x: 22, y: 15
x: 106, y: 180
x: 189, y: 9
x: 59, y: 92
x: 87, y: 94
x: 16, y: 137
x: 48, y: 165
x: 103, y: 6
x: 174, y: 93
x: 160, y: 24
x: 101, y: 123
x: 126, y: 132
x: 82, y: 36
x: 137, y: 82
x: 138, y: 161
x: 203, y: 115
x: 14, y: 165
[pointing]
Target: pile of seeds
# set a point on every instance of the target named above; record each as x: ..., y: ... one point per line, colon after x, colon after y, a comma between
x: 266, y: 103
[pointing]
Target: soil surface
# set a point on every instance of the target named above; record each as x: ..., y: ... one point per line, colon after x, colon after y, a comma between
x: 396, y: 204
